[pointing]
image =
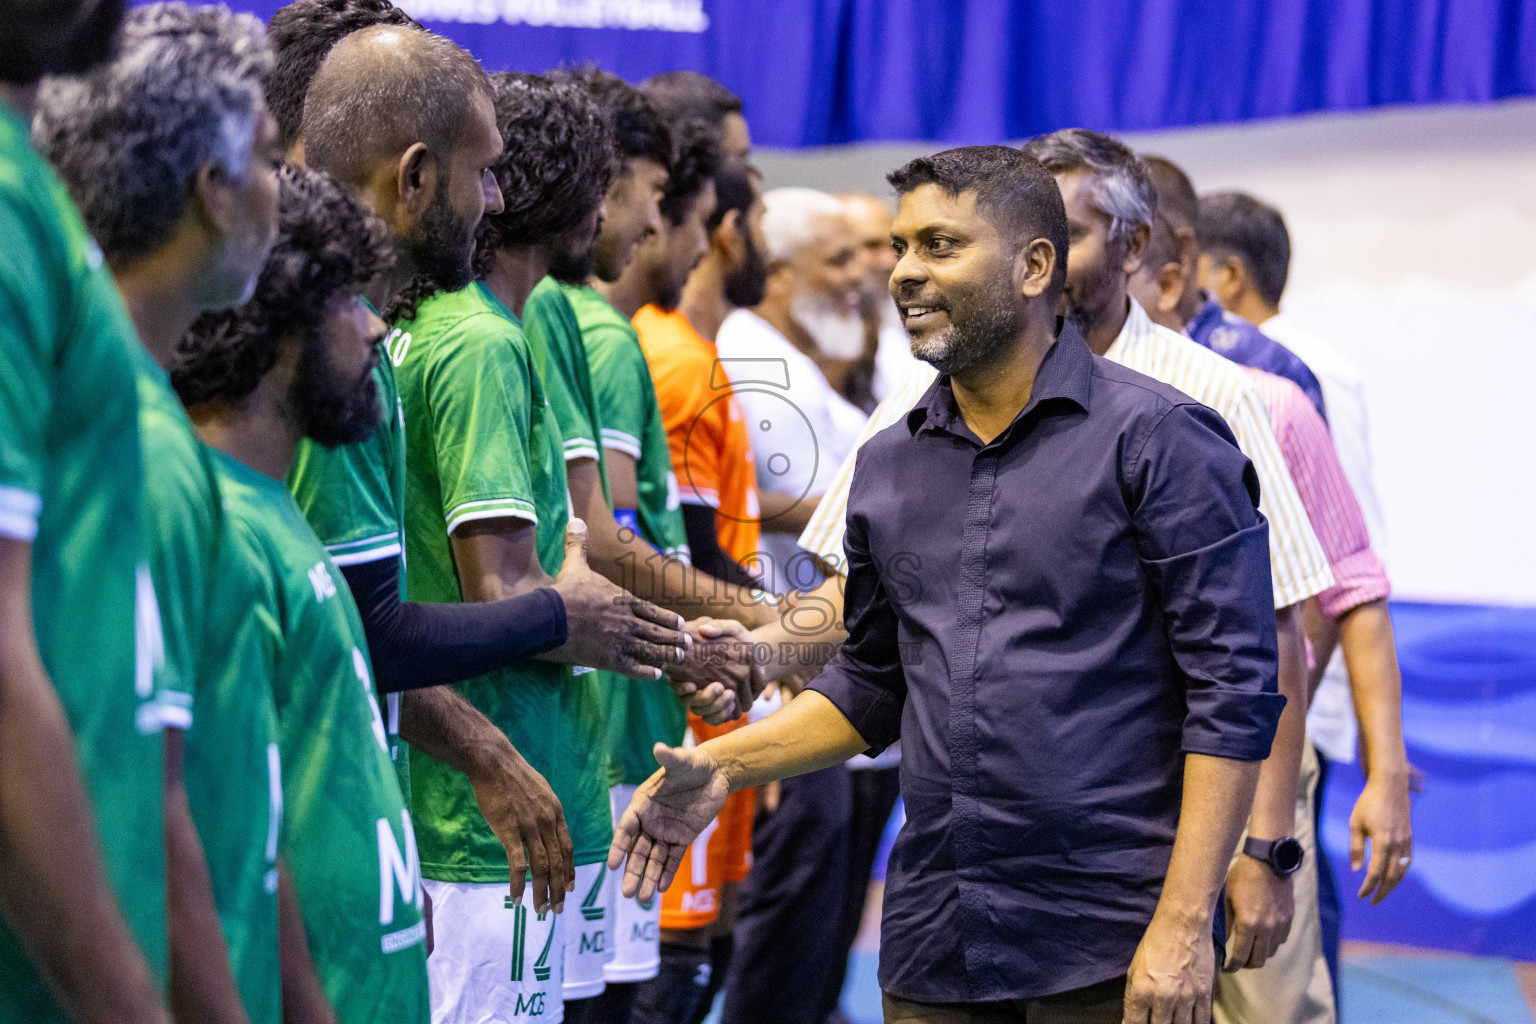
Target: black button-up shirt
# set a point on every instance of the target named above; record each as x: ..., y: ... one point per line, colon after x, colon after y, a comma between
x: 1049, y: 622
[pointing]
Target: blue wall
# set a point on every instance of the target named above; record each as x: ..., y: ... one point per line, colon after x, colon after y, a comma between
x: 1469, y: 717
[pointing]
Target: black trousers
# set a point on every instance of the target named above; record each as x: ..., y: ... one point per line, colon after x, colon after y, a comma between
x: 787, y: 937
x: 1103, y: 1003
x: 874, y: 797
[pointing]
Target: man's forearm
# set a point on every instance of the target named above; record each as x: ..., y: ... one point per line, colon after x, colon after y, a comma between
x: 619, y: 554
x: 786, y: 513
x: 1217, y: 795
x: 808, y: 734
x: 53, y: 889
x: 807, y: 632
x: 202, y: 985
x: 1322, y: 633
x: 1274, y: 802
x: 1376, y: 683
x: 304, y: 1000
x: 448, y: 728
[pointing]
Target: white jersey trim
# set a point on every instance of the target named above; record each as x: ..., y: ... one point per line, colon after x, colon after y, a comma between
x: 360, y: 556
x: 19, y: 510
x: 499, y: 508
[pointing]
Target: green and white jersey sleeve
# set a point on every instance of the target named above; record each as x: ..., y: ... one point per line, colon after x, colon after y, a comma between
x: 632, y: 421
x: 486, y: 446
x: 70, y: 485
x: 347, y: 836
x: 181, y: 520
x: 560, y: 357
x: 354, y: 498
x: 219, y: 644
x: 354, y: 494
x: 233, y: 763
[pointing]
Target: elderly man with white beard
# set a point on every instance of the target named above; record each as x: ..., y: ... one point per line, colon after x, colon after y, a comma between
x: 802, y: 429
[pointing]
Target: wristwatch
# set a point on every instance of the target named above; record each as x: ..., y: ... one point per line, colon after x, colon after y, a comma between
x: 1284, y: 856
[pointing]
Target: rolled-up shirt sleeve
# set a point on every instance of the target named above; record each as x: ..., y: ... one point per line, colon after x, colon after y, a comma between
x: 1205, y: 546
x: 865, y: 678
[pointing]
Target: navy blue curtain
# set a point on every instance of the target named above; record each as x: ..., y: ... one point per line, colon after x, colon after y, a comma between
x: 816, y: 72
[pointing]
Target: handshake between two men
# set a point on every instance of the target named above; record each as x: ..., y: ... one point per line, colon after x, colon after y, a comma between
x: 708, y: 663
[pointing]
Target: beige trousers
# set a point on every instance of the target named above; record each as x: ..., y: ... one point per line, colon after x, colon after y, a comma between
x: 1293, y: 986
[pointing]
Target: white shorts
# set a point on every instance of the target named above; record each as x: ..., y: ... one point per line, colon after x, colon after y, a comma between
x: 637, y: 926
x: 493, y: 960
x: 588, y: 931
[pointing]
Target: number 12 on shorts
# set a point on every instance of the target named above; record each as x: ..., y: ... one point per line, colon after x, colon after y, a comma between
x: 541, y: 966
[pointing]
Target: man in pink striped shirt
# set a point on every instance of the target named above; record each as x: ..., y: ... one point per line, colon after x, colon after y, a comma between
x: 1293, y: 986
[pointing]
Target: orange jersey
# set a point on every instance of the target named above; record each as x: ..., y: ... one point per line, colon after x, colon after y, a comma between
x: 711, y: 449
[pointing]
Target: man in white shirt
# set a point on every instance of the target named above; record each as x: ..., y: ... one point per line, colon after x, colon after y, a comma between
x: 801, y: 428
x: 1244, y: 262
x: 871, y: 219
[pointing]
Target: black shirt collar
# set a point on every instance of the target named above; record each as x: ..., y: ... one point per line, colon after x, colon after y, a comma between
x: 1065, y: 375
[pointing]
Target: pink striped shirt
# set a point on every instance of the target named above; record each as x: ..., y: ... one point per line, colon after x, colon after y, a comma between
x: 1359, y: 575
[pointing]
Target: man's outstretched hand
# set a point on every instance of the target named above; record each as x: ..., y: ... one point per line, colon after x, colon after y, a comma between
x: 668, y: 812
x: 608, y: 628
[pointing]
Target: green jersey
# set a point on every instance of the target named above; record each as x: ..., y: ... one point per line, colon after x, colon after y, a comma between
x: 231, y: 765
x: 554, y: 338
x: 486, y: 447
x: 647, y: 711
x: 354, y: 498
x: 181, y: 520
x: 70, y: 485
x: 347, y: 837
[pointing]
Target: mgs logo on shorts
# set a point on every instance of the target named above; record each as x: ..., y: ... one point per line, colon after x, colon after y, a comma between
x: 495, y: 959
x: 588, y: 937
x: 636, y: 924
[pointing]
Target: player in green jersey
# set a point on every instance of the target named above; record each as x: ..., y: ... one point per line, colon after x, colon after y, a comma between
x: 172, y: 158
x: 81, y: 884
x: 556, y: 167
x: 295, y: 362
x: 413, y: 137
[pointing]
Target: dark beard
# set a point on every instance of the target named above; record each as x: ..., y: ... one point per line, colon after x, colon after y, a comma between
x: 445, y: 248
x: 333, y: 411
x: 744, y: 286
x: 1080, y: 303
x: 977, y: 335
x: 666, y: 291
x: 572, y: 264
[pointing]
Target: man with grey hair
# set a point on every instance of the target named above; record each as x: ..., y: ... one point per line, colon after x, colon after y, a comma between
x: 801, y: 427
x: 171, y: 155
x: 1110, y: 201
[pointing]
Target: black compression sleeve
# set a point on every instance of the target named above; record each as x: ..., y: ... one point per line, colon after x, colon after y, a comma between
x: 415, y: 645
x: 704, y: 547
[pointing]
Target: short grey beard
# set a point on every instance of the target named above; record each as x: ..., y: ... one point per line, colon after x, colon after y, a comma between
x: 952, y: 352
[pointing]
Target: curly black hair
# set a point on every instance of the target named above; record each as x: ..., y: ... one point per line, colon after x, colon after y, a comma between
x: 637, y: 123
x: 328, y: 246
x: 559, y: 156
x: 698, y: 158
x: 301, y: 34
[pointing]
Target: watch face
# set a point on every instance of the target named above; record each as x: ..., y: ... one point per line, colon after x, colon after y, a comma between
x: 1286, y: 856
